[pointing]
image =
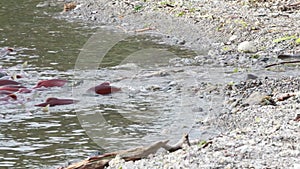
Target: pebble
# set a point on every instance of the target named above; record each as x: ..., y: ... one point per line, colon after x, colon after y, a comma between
x: 254, y: 99
x: 247, y: 47
x: 233, y: 38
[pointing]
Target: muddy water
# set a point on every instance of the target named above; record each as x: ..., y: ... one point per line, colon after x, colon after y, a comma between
x: 153, y: 104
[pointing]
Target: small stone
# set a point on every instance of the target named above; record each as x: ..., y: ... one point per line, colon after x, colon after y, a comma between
x: 247, y: 47
x: 251, y: 77
x: 233, y: 38
x: 254, y: 99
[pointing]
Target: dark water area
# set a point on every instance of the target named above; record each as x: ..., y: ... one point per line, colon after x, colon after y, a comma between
x: 40, y: 39
x: 32, y: 138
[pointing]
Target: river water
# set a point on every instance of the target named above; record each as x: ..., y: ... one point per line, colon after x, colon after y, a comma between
x: 152, y: 105
x: 160, y: 99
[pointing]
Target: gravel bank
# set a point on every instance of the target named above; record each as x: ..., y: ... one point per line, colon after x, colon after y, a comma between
x: 260, y: 135
x: 261, y: 131
x: 216, y: 26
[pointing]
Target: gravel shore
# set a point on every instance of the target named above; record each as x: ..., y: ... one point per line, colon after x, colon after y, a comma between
x: 262, y: 134
x: 261, y: 127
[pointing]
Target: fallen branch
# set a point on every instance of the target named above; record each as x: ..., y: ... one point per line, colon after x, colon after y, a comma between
x: 144, y: 29
x: 288, y: 56
x: 282, y: 63
x: 137, y: 30
x: 101, y: 161
x: 184, y: 140
x: 285, y: 96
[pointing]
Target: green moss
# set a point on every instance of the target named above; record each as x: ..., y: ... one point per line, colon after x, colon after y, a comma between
x: 225, y: 48
x: 236, y: 70
x: 298, y: 41
x: 284, y: 38
x: 138, y: 8
x: 256, y: 56
x: 231, y: 83
x: 203, y: 142
x: 181, y: 13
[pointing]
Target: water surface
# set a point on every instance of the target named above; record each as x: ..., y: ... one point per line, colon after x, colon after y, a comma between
x: 47, y: 48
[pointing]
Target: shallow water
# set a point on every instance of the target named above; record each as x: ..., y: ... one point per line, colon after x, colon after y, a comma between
x: 44, y: 48
x: 158, y: 100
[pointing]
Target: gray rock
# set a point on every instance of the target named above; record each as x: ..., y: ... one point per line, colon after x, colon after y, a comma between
x: 254, y: 99
x: 251, y: 77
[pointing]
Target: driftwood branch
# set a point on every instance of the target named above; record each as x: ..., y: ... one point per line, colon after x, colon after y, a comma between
x: 101, y: 161
x: 183, y: 141
x: 282, y: 63
x: 288, y: 56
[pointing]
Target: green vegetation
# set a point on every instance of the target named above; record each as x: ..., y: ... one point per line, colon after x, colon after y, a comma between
x: 256, y: 56
x: 298, y: 41
x: 203, y: 142
x: 284, y: 38
x: 236, y: 70
x: 138, y: 8
x: 181, y: 13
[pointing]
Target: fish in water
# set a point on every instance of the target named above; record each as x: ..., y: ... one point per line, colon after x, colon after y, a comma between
x: 104, y: 89
x: 24, y: 90
x: 5, y: 92
x: 52, y: 101
x: 4, y: 82
x: 11, y: 88
x: 51, y: 83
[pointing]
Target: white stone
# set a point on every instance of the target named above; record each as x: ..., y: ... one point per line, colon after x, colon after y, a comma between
x: 233, y: 38
x: 247, y: 47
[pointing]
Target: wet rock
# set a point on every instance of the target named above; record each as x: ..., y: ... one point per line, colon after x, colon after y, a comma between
x: 247, y: 47
x: 251, y: 77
